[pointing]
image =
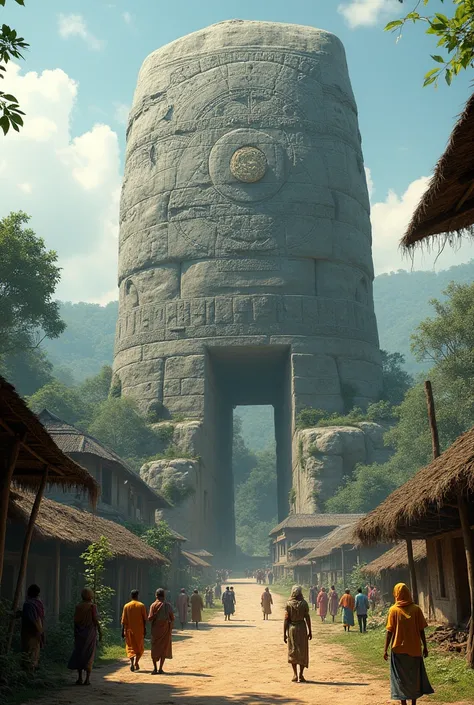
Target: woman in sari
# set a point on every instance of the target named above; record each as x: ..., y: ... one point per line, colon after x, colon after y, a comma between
x: 323, y: 604
x: 266, y: 602
x: 32, y: 627
x: 347, y: 603
x: 161, y: 617
x: 406, y: 626
x: 333, y: 602
x: 86, y: 629
x: 297, y: 632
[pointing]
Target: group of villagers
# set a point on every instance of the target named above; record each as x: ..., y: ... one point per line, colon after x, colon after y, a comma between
x: 405, y: 638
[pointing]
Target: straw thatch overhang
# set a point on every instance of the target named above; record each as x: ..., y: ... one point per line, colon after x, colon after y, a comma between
x: 77, y: 443
x: 202, y: 553
x: 426, y: 505
x: 59, y: 522
x: 339, y: 538
x: 194, y: 561
x: 396, y: 558
x: 446, y: 209
x: 37, y: 450
x: 177, y: 537
x: 306, y: 544
x: 308, y: 521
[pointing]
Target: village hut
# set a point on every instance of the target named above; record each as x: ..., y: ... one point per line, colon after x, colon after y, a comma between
x: 30, y: 459
x: 446, y: 210
x: 196, y: 566
x: 61, y: 533
x: 392, y: 567
x: 437, y: 504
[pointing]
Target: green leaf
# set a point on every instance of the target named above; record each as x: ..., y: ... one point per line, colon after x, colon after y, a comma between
x: 16, y: 119
x: 8, y: 96
x: 5, y: 124
x: 392, y: 25
x: 438, y: 58
x: 448, y: 76
x: 15, y: 127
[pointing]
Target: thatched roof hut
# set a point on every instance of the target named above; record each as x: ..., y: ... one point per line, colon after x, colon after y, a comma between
x: 73, y: 527
x: 427, y: 504
x: 446, y: 209
x: 396, y: 558
x: 342, y: 536
x: 37, y: 449
x: 194, y: 560
x: 309, y: 521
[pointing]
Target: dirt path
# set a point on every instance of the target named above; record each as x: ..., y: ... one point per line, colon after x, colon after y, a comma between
x: 243, y: 662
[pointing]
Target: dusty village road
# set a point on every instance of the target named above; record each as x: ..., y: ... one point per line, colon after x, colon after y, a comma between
x: 244, y: 662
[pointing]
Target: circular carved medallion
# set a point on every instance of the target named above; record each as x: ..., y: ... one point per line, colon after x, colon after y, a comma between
x: 248, y: 164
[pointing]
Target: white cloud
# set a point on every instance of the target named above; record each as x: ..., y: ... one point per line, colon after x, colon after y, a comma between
x: 75, y: 26
x: 121, y: 113
x: 69, y: 185
x: 127, y: 18
x: 366, y: 13
x: 389, y: 222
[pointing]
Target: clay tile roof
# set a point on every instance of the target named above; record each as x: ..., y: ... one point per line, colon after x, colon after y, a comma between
x: 57, y: 521
x: 37, y: 448
x: 426, y: 505
x: 194, y: 560
x: 72, y: 440
x: 341, y: 536
x: 396, y: 558
x: 446, y: 209
x: 305, y: 521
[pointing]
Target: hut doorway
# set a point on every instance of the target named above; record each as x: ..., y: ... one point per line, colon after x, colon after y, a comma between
x: 461, y: 581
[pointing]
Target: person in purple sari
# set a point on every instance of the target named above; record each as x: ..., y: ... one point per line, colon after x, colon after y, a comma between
x: 86, y: 630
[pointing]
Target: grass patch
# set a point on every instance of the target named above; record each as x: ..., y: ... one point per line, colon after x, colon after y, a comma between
x: 448, y: 673
x: 210, y: 612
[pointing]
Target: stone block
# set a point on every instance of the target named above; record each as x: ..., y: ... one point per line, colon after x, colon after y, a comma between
x: 191, y: 407
x: 172, y: 387
x: 127, y: 357
x: 185, y: 366
x: 332, y: 402
x: 313, y: 365
x: 192, y: 385
x: 316, y: 385
x: 151, y: 370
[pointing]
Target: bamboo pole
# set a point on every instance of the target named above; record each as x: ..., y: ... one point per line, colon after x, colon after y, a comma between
x: 57, y: 580
x: 24, y: 556
x: 343, y: 567
x: 469, y: 548
x: 411, y: 565
x: 432, y: 419
x: 5, y: 482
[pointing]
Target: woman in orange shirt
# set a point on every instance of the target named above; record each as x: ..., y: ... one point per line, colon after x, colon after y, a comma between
x: 406, y: 626
x: 347, y: 603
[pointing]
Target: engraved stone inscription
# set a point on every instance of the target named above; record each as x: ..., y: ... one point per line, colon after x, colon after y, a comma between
x: 248, y: 164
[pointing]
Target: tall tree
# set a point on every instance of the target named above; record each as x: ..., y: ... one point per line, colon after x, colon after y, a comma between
x: 396, y: 381
x: 28, y: 278
x: 455, y: 35
x: 11, y: 46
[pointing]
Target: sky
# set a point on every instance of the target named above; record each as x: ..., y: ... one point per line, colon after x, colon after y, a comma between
x: 76, y: 86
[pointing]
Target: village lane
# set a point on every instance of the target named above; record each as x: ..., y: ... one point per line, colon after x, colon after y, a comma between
x: 244, y: 661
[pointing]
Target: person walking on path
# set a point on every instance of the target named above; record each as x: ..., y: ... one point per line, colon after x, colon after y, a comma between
x: 161, y: 617
x: 197, y: 605
x: 297, y: 632
x: 32, y: 628
x: 182, y: 604
x: 270, y: 577
x: 362, y: 608
x: 313, y: 596
x: 347, y: 603
x: 228, y: 603
x: 134, y: 618
x: 267, y: 602
x: 333, y: 602
x: 218, y: 591
x: 323, y: 604
x: 86, y: 630
x: 406, y: 626
x: 234, y: 599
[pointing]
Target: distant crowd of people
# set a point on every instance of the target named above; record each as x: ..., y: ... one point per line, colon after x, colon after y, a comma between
x: 328, y: 601
x: 262, y: 575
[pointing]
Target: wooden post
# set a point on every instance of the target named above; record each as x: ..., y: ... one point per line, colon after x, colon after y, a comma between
x: 469, y: 548
x: 57, y: 581
x: 5, y: 482
x: 24, y: 555
x: 432, y: 419
x: 343, y: 567
x: 411, y: 565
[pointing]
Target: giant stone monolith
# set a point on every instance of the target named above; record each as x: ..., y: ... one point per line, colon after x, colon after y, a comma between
x: 245, y: 264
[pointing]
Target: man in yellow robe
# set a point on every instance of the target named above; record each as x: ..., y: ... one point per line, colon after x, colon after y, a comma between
x: 134, y: 618
x: 197, y: 605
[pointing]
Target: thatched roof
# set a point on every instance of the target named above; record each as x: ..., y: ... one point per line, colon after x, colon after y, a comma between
x: 308, y: 521
x: 396, y: 558
x: 59, y: 522
x: 305, y: 544
x: 202, y: 553
x: 176, y: 536
x: 37, y: 449
x: 195, y: 561
x: 75, y: 442
x: 342, y: 536
x: 446, y: 209
x: 426, y: 505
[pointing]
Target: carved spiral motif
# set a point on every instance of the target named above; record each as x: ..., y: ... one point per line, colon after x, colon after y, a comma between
x: 248, y: 164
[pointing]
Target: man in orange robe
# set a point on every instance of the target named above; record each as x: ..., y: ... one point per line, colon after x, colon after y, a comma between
x: 134, y: 618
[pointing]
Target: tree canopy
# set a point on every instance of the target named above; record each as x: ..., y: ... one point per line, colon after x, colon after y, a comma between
x: 11, y: 46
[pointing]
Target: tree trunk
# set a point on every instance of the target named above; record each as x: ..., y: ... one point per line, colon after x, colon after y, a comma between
x: 411, y: 565
x: 24, y: 555
x: 5, y: 482
x: 469, y: 548
x: 432, y: 419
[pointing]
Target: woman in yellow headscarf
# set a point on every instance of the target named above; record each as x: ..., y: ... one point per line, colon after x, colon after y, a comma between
x: 406, y: 626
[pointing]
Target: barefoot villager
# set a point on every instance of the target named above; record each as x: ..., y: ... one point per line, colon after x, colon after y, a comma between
x: 32, y: 628
x: 197, y: 606
x: 228, y: 603
x: 406, y: 626
x: 322, y: 601
x: 333, y: 602
x: 266, y: 602
x: 161, y: 617
x: 86, y: 631
x: 362, y: 608
x: 182, y: 603
x: 347, y: 603
x: 297, y: 632
x: 134, y: 617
